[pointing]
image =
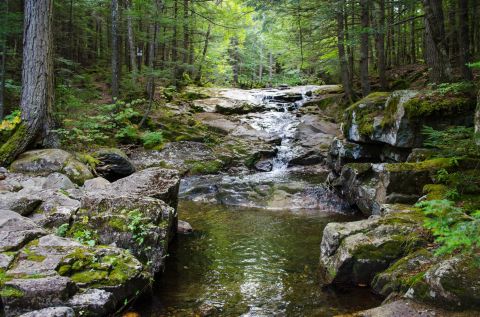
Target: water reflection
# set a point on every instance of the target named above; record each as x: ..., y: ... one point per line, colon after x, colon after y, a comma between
x: 248, y: 262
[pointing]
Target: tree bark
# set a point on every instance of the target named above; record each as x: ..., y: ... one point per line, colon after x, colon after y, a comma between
x: 130, y: 39
x: 37, y: 81
x: 115, y: 53
x: 341, y: 51
x: 270, y: 69
x: 3, y: 64
x: 235, y: 61
x: 463, y: 40
x: 380, y: 43
x: 364, y: 48
x: 198, y: 78
x: 436, y: 51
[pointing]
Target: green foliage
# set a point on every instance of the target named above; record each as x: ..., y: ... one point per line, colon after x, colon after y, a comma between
x: 110, y: 122
x: 62, y: 230
x: 9, y: 124
x: 454, y: 88
x: 85, y: 236
x: 454, y: 142
x: 152, y: 139
x: 454, y: 229
x: 137, y: 226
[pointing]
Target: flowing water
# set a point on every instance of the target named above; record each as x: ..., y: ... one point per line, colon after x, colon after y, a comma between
x: 256, y: 245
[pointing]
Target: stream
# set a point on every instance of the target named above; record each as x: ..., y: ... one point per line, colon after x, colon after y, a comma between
x: 256, y: 245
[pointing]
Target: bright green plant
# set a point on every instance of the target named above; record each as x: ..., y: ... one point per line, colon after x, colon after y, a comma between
x: 152, y: 139
x: 85, y: 237
x: 62, y: 230
x: 454, y: 229
x: 137, y: 226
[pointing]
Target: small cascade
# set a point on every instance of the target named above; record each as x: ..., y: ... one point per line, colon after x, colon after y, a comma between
x: 284, y: 124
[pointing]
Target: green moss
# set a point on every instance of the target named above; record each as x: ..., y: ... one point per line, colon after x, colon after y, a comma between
x: 431, y: 103
x: 88, y: 277
x: 365, y: 111
x: 9, y: 291
x: 435, y: 191
x: 8, y: 149
x: 360, y: 168
x: 389, y: 250
x: 118, y: 223
x: 207, y: 167
x: 390, y: 111
x: 428, y: 165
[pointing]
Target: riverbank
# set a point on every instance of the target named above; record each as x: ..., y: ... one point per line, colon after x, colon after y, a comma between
x: 244, y: 156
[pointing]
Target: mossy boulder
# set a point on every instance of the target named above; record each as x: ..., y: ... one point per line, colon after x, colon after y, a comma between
x: 354, y: 252
x: 360, y: 117
x: 368, y: 185
x: 48, y: 161
x: 143, y: 225
x: 453, y: 283
x: 398, y: 118
x: 401, y: 275
x: 54, y: 271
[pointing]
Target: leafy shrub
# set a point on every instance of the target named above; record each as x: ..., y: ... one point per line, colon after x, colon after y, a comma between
x: 454, y: 88
x: 9, y: 124
x: 152, y: 139
x: 128, y: 134
x: 85, y: 237
x: 454, y: 142
x: 454, y: 229
x: 111, y: 122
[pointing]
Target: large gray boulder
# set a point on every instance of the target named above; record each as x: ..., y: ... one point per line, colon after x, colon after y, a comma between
x: 143, y: 225
x: 48, y: 161
x: 453, y: 283
x: 153, y: 182
x: 354, y: 252
x: 54, y: 271
x: 368, y: 185
x: 16, y: 231
x: 397, y: 118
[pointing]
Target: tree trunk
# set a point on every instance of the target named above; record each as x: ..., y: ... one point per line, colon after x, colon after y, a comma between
x: 260, y: 66
x: 463, y: 39
x: 3, y: 65
x: 130, y: 39
x: 341, y: 52
x: 380, y: 43
x: 186, y: 33
x: 364, y: 48
x: 270, y: 69
x: 198, y: 78
x: 235, y: 61
x: 37, y: 81
x: 175, y: 44
x: 436, y: 52
x: 115, y: 53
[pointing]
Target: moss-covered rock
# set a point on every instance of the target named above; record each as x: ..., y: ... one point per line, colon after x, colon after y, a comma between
x: 360, y: 117
x: 368, y: 186
x: 45, y: 162
x: 453, y: 283
x: 352, y: 253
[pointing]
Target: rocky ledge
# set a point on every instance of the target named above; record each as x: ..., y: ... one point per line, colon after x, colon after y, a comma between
x: 73, y: 244
x: 381, y: 167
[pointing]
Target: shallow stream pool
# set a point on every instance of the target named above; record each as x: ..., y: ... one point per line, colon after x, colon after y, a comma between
x: 247, y: 262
